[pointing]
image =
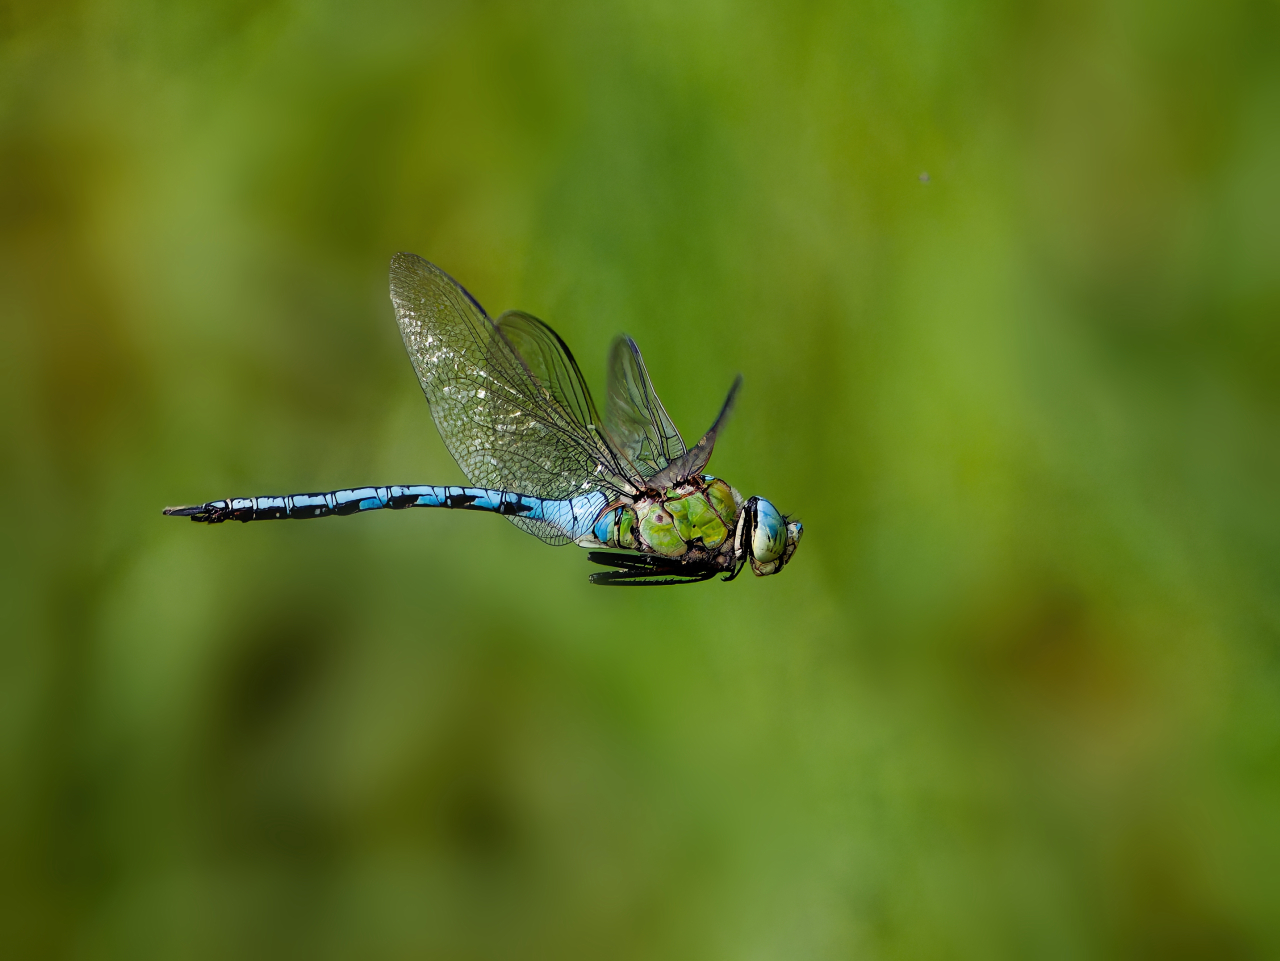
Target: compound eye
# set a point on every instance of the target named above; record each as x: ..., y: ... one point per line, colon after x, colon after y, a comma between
x: 769, y: 533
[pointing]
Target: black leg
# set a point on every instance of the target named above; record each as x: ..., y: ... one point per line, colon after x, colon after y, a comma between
x: 652, y: 579
x: 646, y: 570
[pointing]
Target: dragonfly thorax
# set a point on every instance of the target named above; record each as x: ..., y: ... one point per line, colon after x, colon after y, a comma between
x: 699, y: 515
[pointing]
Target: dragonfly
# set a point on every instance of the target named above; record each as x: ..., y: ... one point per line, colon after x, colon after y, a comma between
x: 515, y: 412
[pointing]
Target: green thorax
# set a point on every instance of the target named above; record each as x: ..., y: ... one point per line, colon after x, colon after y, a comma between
x: 669, y: 523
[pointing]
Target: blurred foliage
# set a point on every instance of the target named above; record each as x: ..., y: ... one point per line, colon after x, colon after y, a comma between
x: 1003, y: 280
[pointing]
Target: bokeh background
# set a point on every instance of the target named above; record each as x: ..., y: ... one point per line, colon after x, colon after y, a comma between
x: 1003, y: 280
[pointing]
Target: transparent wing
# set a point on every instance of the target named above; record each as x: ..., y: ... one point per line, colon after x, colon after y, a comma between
x: 548, y: 361
x: 692, y: 462
x: 639, y: 426
x: 517, y: 418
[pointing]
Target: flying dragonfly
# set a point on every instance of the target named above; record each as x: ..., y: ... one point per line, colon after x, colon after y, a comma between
x: 515, y: 412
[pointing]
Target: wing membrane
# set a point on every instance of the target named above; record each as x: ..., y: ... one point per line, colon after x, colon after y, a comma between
x: 551, y: 365
x: 640, y: 427
x: 508, y: 398
x: 697, y: 457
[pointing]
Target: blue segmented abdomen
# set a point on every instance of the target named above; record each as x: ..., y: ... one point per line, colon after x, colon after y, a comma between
x: 574, y: 516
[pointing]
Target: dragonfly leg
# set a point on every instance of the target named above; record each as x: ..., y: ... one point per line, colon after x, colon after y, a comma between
x: 647, y: 570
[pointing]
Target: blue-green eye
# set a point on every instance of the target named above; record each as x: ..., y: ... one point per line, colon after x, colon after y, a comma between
x: 769, y: 536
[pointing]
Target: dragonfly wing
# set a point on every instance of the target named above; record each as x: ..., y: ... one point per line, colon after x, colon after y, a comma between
x: 512, y: 422
x: 693, y: 461
x: 640, y: 427
x: 549, y: 362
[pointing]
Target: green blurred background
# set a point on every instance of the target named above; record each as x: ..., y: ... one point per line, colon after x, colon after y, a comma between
x: 1018, y: 694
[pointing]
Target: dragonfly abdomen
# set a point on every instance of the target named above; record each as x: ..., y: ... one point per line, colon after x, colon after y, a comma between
x: 358, y: 499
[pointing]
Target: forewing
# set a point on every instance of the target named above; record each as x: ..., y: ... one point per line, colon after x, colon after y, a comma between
x: 640, y: 427
x: 510, y: 422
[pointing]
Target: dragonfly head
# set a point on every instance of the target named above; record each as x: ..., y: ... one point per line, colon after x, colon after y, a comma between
x: 766, y: 536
